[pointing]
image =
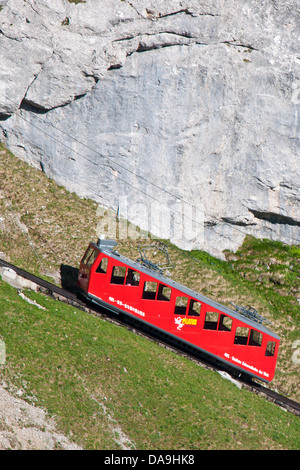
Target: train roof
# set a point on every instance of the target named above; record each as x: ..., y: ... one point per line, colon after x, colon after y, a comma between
x: 107, y: 246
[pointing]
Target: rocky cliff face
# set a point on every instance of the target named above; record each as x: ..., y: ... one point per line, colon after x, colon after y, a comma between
x: 181, y: 115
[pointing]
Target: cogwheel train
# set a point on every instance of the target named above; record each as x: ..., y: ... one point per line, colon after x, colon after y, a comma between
x: 129, y: 287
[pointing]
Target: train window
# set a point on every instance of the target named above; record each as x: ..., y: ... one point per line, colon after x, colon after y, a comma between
x: 87, y: 254
x: 92, y: 258
x: 181, y: 305
x: 241, y: 335
x: 102, y: 268
x: 118, y: 275
x: 270, y: 351
x: 211, y: 320
x: 225, y: 323
x: 194, y: 308
x: 164, y: 292
x: 132, y: 278
x: 149, y: 291
x: 255, y: 338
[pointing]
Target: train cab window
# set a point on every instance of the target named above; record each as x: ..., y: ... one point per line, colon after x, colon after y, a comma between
x: 241, y: 335
x: 92, y: 257
x: 87, y: 255
x: 102, y: 268
x: 118, y: 275
x: 132, y: 278
x: 164, y: 292
x: 194, y: 309
x: 181, y: 305
x: 270, y: 350
x: 149, y: 291
x: 255, y: 338
x: 211, y: 321
x: 225, y: 323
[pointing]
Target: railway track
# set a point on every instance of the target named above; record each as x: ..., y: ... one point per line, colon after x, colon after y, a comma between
x: 66, y: 296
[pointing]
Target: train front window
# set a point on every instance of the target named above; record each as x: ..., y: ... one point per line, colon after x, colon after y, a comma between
x: 241, y: 335
x: 92, y: 258
x: 87, y: 255
x: 270, y: 351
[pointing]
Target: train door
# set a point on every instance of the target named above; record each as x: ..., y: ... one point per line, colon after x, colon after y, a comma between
x: 99, y: 277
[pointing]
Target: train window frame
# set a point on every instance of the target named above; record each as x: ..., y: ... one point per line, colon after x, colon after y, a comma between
x: 118, y: 279
x: 194, y: 312
x: 210, y: 323
x: 164, y: 293
x: 134, y: 279
x: 241, y: 338
x: 102, y: 266
x: 181, y: 305
x: 270, y: 348
x: 255, y: 338
x: 149, y: 290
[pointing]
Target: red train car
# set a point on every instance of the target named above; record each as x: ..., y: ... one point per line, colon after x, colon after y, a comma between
x: 121, y: 285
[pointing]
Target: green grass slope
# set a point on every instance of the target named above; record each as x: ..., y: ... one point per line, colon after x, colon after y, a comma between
x: 109, y: 388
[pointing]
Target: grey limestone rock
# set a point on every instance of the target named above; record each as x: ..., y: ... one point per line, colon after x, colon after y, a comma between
x: 183, y: 116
